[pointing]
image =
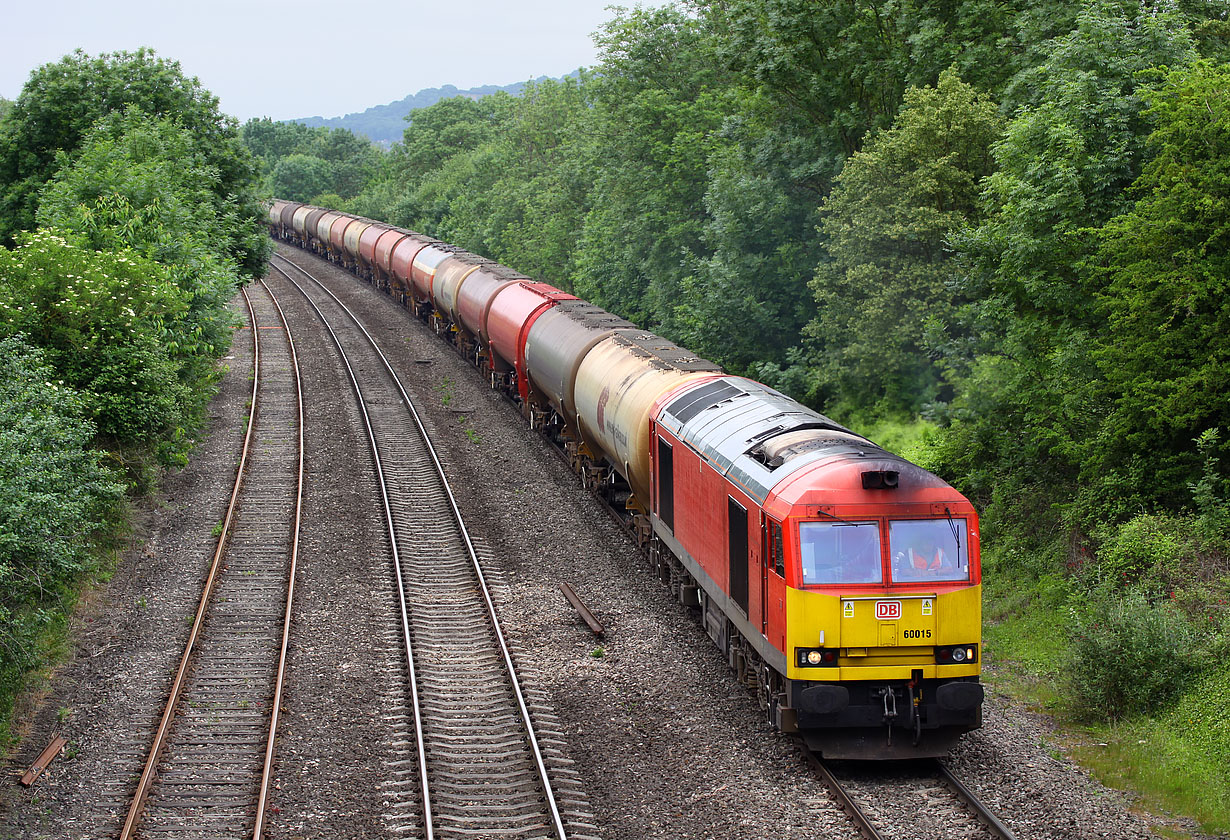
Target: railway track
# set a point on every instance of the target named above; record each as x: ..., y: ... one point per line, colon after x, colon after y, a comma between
x: 475, y: 764
x: 937, y: 804
x: 207, y: 771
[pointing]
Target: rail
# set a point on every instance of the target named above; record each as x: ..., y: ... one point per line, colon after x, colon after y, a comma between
x: 223, y: 558
x: 555, y: 817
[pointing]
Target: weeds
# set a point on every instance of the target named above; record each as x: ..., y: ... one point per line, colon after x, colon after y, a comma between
x: 447, y: 391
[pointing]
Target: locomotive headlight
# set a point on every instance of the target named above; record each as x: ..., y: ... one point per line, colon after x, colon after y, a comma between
x: 957, y: 653
x: 816, y: 657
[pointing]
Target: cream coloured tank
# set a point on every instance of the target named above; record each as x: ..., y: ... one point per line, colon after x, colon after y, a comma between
x: 617, y: 385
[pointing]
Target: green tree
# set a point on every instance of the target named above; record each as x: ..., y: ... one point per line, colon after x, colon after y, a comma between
x: 746, y: 300
x: 54, y: 496
x: 270, y: 140
x: 1164, y: 271
x: 449, y: 127
x: 299, y: 177
x: 102, y: 319
x: 1025, y: 403
x: 352, y: 159
x: 61, y: 103
x: 887, y: 221
x: 520, y: 196
x: 835, y: 71
x: 140, y: 183
x: 659, y: 103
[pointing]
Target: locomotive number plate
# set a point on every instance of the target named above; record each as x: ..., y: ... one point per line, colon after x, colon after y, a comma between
x: 888, y: 610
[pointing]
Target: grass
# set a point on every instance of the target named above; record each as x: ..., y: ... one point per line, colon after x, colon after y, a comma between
x: 907, y: 438
x: 21, y: 687
x: 1174, y: 760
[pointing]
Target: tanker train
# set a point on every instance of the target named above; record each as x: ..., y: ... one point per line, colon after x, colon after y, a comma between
x: 842, y: 581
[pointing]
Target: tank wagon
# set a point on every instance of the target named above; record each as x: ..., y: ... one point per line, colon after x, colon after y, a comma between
x: 842, y: 581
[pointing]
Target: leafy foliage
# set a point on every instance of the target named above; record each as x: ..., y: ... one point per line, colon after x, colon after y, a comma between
x: 61, y: 102
x: 103, y: 318
x: 889, y: 283
x: 55, y: 495
x: 299, y: 177
x: 1164, y: 268
x: 1128, y: 655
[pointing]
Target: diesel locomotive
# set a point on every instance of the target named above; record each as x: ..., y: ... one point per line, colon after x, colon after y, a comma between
x: 841, y: 581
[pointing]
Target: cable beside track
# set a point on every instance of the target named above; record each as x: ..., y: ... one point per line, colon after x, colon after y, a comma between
x: 481, y: 769
x: 207, y: 771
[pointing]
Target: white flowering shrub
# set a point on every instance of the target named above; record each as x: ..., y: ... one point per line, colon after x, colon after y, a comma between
x: 106, y: 321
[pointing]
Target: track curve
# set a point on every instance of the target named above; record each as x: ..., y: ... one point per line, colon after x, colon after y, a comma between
x: 481, y: 769
x: 208, y: 768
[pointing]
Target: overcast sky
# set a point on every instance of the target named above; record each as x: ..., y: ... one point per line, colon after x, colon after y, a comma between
x: 253, y: 54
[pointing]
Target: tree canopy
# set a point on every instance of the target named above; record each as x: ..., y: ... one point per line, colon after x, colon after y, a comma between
x: 61, y: 102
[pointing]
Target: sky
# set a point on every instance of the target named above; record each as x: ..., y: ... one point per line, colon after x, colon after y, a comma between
x: 257, y: 56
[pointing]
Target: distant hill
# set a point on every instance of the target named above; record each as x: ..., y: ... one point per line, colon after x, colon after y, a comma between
x: 384, y: 124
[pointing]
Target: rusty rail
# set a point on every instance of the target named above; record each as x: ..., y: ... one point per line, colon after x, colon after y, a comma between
x: 44, y: 758
x: 594, y: 624
x: 149, y: 772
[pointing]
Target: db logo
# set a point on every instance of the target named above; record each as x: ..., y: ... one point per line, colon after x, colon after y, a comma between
x: 888, y: 610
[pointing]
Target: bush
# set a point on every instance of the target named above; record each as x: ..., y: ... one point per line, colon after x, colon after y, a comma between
x: 1158, y: 547
x: 1127, y: 655
x: 108, y: 323
x: 54, y: 496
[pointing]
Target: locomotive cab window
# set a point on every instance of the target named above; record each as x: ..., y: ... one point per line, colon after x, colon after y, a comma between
x: 928, y: 550
x: 840, y: 552
x: 777, y: 558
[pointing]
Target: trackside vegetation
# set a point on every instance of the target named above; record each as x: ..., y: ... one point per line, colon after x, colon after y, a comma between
x: 992, y: 235
x: 130, y: 216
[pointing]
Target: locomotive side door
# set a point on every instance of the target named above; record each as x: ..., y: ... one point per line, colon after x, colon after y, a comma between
x: 736, y: 517
x: 766, y: 556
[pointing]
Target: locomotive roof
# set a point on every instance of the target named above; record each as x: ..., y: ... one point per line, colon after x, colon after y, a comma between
x: 755, y: 435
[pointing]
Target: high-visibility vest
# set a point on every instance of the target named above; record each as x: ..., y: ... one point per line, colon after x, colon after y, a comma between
x: 920, y: 562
